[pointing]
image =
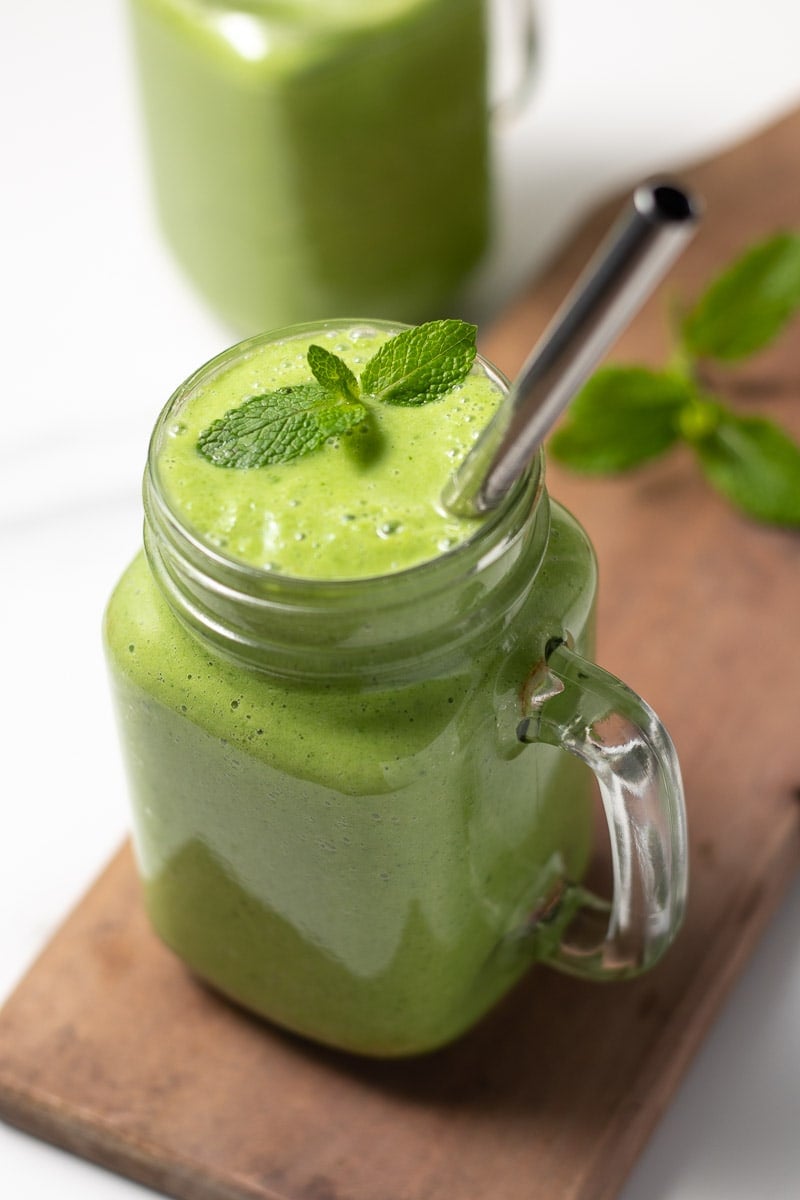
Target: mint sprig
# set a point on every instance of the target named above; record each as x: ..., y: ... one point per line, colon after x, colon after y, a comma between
x: 755, y: 464
x: 413, y: 367
x: 278, y: 426
x: 625, y: 416
x: 332, y: 373
x: 749, y: 304
x: 621, y: 418
x: 420, y: 364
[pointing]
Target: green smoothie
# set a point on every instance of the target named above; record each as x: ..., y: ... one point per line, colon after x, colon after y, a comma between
x: 318, y: 156
x: 366, y: 505
x: 320, y: 679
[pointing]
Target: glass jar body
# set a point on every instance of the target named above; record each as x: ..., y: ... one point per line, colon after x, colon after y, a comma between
x: 363, y: 856
x: 317, y: 158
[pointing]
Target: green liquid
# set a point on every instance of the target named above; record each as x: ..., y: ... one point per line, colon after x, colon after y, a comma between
x: 354, y: 859
x: 364, y: 504
x: 318, y: 158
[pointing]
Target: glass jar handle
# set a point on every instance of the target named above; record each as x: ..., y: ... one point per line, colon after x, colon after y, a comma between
x: 513, y: 39
x: 575, y: 705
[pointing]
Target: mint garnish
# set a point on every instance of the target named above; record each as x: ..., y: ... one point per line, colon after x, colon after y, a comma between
x: 421, y: 363
x: 332, y: 372
x: 278, y: 426
x: 413, y: 367
x: 627, y: 415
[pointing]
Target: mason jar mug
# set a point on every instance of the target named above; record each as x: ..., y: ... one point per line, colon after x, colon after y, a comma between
x: 361, y: 806
x: 323, y: 156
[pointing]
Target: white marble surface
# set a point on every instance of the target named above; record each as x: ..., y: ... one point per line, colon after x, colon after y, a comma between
x: 99, y: 326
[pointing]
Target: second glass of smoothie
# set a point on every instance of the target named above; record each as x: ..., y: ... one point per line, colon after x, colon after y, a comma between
x: 318, y: 156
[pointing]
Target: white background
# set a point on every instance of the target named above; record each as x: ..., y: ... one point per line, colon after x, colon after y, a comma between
x: 100, y: 326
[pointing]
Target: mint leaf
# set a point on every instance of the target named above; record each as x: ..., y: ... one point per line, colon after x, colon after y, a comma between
x: 278, y: 426
x: 621, y: 418
x: 332, y: 372
x: 755, y: 464
x: 748, y: 305
x: 421, y: 364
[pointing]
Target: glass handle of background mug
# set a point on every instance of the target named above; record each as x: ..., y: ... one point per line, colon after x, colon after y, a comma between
x: 577, y: 706
x: 513, y: 49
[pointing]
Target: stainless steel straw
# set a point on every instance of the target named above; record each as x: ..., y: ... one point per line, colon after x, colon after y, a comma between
x: 640, y: 247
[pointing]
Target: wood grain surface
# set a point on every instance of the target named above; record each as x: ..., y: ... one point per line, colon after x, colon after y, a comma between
x: 110, y: 1049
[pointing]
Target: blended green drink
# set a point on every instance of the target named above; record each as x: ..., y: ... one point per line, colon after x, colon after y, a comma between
x: 318, y: 156
x: 328, y: 686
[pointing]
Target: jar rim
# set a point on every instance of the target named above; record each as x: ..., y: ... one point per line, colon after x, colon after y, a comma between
x: 526, y: 492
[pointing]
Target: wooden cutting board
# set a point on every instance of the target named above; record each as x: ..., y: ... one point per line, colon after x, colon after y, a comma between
x: 109, y: 1049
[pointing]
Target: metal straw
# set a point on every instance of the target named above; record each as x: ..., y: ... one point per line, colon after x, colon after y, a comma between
x: 637, y: 252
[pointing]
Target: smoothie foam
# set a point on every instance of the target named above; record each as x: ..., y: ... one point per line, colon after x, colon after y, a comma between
x: 366, y: 504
